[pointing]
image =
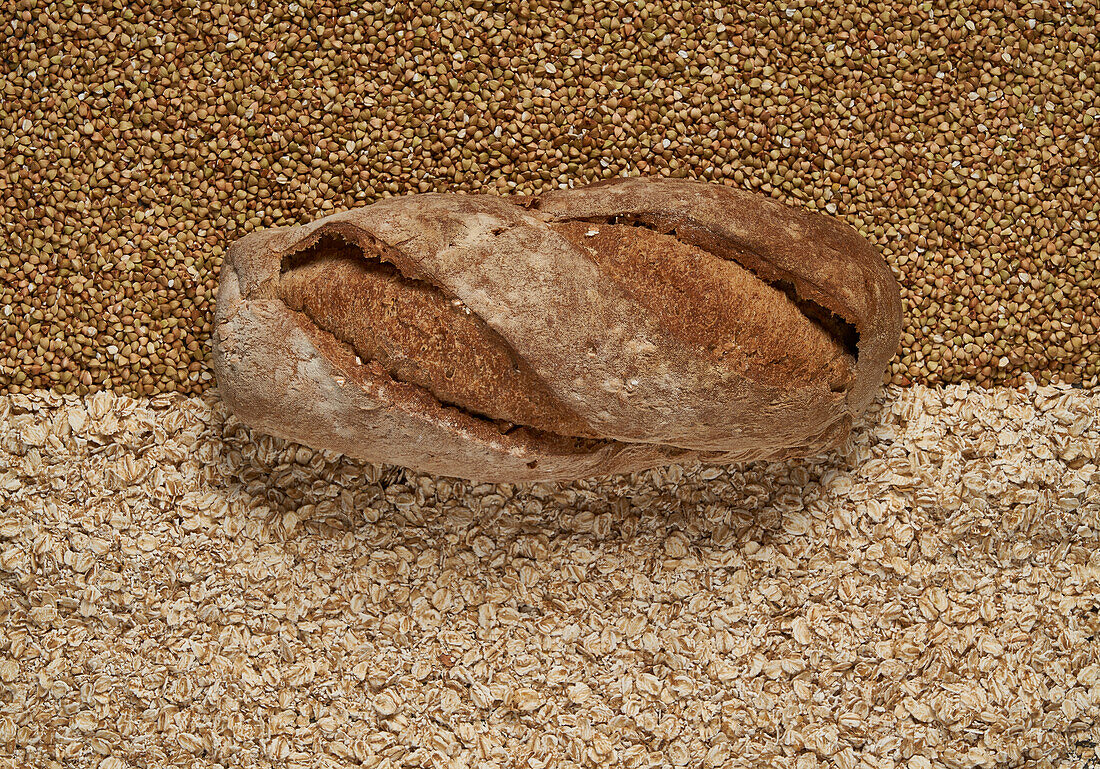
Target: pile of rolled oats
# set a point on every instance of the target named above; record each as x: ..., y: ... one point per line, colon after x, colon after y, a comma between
x: 178, y: 590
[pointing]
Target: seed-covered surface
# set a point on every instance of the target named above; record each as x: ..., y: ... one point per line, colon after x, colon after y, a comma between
x: 178, y: 591
x: 136, y: 143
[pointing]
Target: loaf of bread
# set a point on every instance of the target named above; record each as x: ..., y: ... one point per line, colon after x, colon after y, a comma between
x: 621, y: 326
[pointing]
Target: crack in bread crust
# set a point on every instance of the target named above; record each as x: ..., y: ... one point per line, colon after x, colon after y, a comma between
x: 416, y: 334
x: 725, y: 311
x: 843, y: 332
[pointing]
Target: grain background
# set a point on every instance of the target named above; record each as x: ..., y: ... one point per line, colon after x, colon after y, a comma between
x: 138, y: 141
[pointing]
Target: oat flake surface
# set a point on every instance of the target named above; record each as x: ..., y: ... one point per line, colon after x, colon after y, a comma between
x: 178, y: 591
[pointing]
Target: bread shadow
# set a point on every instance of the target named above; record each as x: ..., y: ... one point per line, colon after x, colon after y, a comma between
x: 291, y: 491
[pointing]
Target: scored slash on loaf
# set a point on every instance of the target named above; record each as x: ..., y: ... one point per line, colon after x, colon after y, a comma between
x: 625, y: 325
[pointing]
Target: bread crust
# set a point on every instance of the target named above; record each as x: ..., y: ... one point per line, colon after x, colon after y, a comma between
x: 650, y: 392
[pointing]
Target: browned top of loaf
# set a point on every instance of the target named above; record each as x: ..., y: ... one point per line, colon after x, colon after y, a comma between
x: 713, y: 303
x: 608, y: 351
x: 417, y: 335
